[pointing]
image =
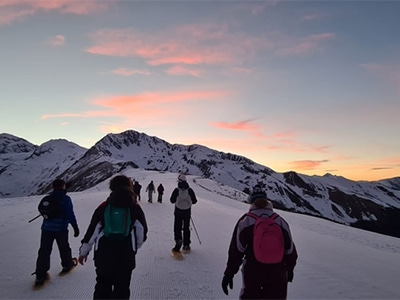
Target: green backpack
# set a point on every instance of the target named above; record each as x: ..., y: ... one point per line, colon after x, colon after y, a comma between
x: 117, y: 222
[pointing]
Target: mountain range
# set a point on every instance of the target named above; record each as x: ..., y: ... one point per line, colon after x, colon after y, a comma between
x: 27, y: 169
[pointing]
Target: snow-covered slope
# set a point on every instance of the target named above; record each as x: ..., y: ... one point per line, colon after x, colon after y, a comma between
x: 335, y: 261
x: 371, y: 205
x: 26, y: 169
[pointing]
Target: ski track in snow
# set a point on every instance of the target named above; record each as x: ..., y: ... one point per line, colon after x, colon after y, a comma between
x: 335, y: 261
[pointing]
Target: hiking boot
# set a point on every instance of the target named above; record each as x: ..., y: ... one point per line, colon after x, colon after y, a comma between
x: 178, y: 245
x: 67, y: 270
x: 186, y: 248
x: 40, y: 280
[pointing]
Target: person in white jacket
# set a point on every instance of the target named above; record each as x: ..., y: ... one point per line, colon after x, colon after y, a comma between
x: 114, y: 258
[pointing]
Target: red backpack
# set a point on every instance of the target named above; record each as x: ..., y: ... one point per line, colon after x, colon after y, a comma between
x: 268, y: 244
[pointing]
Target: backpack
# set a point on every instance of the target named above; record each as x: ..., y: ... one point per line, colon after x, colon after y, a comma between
x: 183, y: 199
x: 117, y: 222
x: 268, y: 244
x: 50, y: 207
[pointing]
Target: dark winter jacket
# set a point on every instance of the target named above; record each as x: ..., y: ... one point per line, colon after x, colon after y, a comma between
x: 150, y: 187
x: 110, y: 254
x: 136, y: 188
x: 160, y: 189
x: 61, y: 224
x: 241, y: 251
x: 183, y: 197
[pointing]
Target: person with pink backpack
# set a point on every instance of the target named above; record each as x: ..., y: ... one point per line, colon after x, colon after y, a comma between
x: 263, y: 245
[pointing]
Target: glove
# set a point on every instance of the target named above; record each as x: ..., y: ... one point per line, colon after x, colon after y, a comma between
x: 82, y: 259
x: 76, y: 230
x: 290, y: 276
x: 227, y: 281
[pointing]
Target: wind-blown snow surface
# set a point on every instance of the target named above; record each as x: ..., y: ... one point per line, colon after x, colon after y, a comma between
x: 335, y: 261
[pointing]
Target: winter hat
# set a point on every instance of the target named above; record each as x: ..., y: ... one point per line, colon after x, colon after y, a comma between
x: 256, y: 194
x: 181, y: 178
x: 58, y: 184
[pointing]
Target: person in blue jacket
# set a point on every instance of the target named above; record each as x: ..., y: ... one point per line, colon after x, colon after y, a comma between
x: 56, y: 229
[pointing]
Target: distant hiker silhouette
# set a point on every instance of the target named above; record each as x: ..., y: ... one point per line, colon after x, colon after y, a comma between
x: 160, y: 191
x: 150, y: 189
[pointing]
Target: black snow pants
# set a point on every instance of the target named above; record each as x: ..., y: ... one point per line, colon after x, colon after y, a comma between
x: 181, y: 223
x: 263, y: 281
x: 46, y: 246
x: 112, y: 284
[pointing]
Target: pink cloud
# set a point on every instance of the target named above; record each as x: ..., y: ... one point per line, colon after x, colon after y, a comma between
x: 13, y: 10
x: 246, y: 125
x: 307, y: 164
x: 195, y: 44
x: 142, y: 106
x: 182, y: 70
x: 58, y: 40
x: 129, y: 72
x: 7, y: 16
x: 189, y: 45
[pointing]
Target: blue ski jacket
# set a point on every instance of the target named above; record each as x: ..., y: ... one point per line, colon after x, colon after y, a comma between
x: 61, y: 224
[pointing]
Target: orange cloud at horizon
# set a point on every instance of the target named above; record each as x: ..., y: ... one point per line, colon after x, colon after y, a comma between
x: 241, y: 125
x: 246, y: 125
x: 307, y: 164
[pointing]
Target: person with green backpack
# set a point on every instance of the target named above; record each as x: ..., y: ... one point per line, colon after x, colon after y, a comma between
x: 118, y: 228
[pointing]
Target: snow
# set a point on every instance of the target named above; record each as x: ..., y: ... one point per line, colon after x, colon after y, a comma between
x: 335, y: 261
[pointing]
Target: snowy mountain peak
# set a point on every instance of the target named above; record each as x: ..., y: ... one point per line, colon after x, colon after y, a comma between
x: 12, y: 144
x: 370, y: 205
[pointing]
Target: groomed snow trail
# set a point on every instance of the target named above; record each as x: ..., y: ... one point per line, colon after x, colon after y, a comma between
x: 335, y: 261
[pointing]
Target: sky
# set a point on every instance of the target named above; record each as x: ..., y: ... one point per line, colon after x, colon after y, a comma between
x: 309, y: 86
x: 335, y: 261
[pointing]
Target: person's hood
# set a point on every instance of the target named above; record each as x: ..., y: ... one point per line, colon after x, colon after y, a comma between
x: 183, y: 185
x: 267, y: 206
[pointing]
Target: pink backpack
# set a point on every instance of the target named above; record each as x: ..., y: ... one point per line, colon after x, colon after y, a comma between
x: 268, y: 241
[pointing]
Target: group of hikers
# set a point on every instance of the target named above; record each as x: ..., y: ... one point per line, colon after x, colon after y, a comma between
x: 118, y: 228
x: 150, y: 189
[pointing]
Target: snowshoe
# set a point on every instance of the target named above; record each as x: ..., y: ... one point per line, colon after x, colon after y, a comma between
x: 40, y: 282
x: 65, y: 271
x: 178, y: 245
x: 177, y: 254
x: 186, y: 249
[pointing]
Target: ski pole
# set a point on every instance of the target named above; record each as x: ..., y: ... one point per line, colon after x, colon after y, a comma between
x: 195, y: 230
x: 34, y: 218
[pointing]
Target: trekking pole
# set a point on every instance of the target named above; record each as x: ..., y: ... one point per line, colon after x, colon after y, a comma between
x: 34, y: 218
x: 195, y: 230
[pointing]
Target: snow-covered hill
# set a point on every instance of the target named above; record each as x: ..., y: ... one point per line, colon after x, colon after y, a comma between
x: 335, y: 261
x: 28, y: 170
